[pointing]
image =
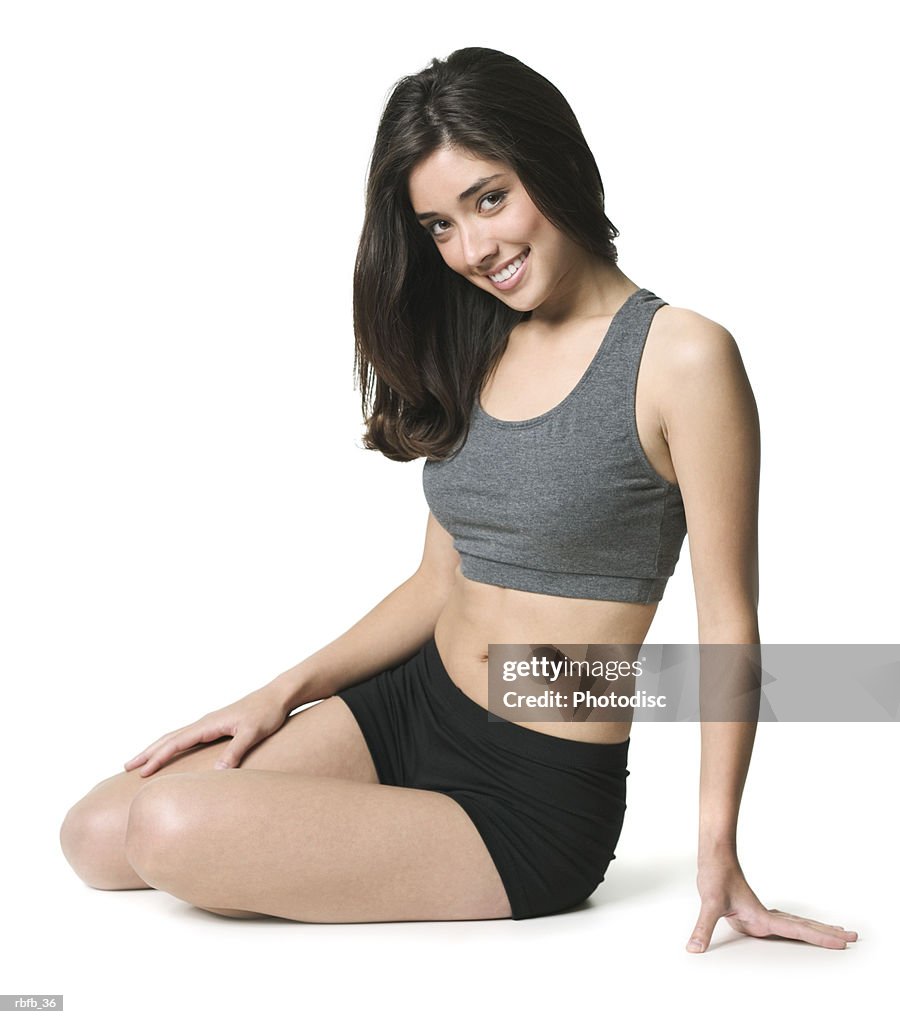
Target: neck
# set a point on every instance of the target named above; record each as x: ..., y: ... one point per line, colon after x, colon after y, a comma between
x: 589, y: 287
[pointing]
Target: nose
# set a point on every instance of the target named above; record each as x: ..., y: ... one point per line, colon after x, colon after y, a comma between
x: 478, y: 249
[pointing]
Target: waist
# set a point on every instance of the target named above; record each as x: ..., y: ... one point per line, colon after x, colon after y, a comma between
x: 478, y: 614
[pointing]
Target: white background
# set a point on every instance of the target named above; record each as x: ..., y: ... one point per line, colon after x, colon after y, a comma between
x: 188, y: 509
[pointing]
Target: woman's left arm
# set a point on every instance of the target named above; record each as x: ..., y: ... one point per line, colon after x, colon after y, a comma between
x: 709, y: 418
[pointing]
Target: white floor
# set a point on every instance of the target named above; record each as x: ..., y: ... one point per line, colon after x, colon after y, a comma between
x: 816, y: 839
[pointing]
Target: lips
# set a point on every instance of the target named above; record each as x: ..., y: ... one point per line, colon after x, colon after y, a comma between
x: 513, y: 280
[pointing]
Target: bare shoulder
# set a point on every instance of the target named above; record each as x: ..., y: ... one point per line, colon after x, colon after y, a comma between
x: 692, y: 359
x: 685, y: 338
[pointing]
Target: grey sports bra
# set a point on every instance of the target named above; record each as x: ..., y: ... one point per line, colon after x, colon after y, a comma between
x: 567, y: 502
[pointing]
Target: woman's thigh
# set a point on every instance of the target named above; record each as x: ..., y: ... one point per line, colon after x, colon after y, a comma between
x: 312, y: 849
x: 322, y: 740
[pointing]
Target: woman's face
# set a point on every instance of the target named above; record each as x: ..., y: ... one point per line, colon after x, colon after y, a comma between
x: 484, y: 223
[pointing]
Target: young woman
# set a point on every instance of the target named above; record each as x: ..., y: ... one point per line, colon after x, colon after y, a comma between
x: 575, y: 427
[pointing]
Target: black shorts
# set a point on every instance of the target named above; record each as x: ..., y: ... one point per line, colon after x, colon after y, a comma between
x: 549, y: 810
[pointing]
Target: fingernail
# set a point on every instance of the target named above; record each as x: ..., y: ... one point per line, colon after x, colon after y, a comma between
x: 221, y: 764
x: 695, y: 944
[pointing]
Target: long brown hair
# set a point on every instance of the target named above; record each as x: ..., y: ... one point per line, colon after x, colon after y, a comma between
x: 426, y: 338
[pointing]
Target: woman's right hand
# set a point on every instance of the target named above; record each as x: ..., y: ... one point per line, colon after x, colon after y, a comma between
x: 249, y: 720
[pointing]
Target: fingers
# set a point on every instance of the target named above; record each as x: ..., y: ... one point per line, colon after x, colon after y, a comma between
x: 140, y: 758
x: 231, y: 756
x: 703, y: 929
x: 234, y: 752
x: 165, y: 749
x: 804, y: 929
x: 811, y: 922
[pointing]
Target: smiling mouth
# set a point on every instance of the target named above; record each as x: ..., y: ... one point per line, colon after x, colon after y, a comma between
x: 512, y: 269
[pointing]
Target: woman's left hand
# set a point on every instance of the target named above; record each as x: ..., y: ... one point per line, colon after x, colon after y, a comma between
x: 724, y: 892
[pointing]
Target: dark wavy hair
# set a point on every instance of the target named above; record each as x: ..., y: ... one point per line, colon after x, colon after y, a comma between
x: 427, y: 339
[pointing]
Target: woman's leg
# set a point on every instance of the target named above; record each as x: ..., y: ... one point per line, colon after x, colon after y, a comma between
x: 322, y: 740
x: 312, y: 849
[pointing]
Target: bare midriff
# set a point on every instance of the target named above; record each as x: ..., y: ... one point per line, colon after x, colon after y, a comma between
x: 478, y: 614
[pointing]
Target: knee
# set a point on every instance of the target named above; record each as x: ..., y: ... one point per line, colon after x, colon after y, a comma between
x: 157, y: 820
x: 91, y: 837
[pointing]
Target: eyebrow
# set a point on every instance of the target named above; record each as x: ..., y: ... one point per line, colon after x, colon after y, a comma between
x: 463, y: 196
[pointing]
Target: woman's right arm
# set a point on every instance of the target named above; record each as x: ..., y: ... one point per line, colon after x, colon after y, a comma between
x: 391, y: 633
x: 388, y: 635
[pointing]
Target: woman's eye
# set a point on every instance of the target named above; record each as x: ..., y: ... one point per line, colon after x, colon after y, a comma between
x: 492, y: 199
x: 497, y: 196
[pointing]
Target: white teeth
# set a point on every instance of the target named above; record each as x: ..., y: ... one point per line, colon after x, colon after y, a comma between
x: 507, y: 272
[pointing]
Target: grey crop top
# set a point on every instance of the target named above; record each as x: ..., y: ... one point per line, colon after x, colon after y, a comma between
x: 566, y: 503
